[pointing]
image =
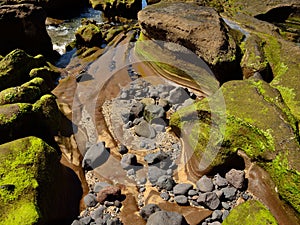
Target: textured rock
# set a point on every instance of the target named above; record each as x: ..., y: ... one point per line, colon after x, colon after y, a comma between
x: 128, y: 161
x: 229, y: 193
x: 220, y: 181
x: 90, y: 200
x: 88, y: 35
x: 182, y: 189
x: 23, y: 26
x: 236, y: 178
x: 148, y: 210
x: 205, y: 184
x: 144, y: 129
x: 154, y: 173
x: 153, y: 112
x: 198, y: 28
x: 109, y: 193
x: 211, y: 200
x: 178, y: 95
x: 95, y: 156
x: 112, y: 9
x: 99, y: 186
x: 250, y: 212
x: 165, y: 182
x: 166, y: 218
x: 181, y: 199
x: 55, y: 191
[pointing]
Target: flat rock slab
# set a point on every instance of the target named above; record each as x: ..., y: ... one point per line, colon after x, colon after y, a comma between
x: 197, y: 28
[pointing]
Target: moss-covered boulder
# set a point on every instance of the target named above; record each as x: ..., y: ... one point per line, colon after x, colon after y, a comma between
x: 88, y: 35
x: 20, y: 120
x: 250, y: 213
x: 50, y: 75
x: 27, y: 94
x: 35, y: 187
x: 252, y: 118
x: 16, y: 66
x: 254, y: 59
x: 115, y: 8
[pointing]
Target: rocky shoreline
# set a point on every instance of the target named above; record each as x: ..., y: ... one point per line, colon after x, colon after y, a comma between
x: 177, y: 113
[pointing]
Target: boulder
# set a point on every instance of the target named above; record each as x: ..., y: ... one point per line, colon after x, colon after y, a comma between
x: 166, y: 218
x: 95, y: 156
x: 198, y: 28
x: 23, y: 26
x: 44, y: 191
x: 257, y: 121
x: 55, y: 8
x: 15, y: 68
x: 88, y: 35
x: 28, y: 94
x: 250, y: 212
x: 16, y: 120
x: 122, y: 8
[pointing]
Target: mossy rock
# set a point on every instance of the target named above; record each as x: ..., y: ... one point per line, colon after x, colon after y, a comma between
x: 38, y: 82
x: 50, y: 75
x: 252, y: 118
x: 254, y: 59
x: 48, y: 112
x: 32, y: 183
x: 15, y: 68
x: 88, y: 35
x: 20, y: 94
x: 251, y: 212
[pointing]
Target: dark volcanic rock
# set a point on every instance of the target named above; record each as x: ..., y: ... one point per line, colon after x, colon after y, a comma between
x: 236, y: 178
x: 197, y: 28
x: 165, y: 182
x: 166, y: 218
x: 108, y: 193
x: 23, y: 26
x: 148, y: 210
x: 154, y: 173
x: 95, y: 156
x: 205, y: 184
x: 115, y: 8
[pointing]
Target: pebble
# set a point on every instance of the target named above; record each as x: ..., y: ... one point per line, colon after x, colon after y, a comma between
x: 165, y: 196
x: 149, y: 209
x: 77, y: 222
x: 236, y: 178
x: 229, y: 193
x: 128, y: 161
x: 225, y: 205
x: 182, y: 189
x: 123, y: 149
x: 165, y: 182
x: 90, y: 200
x: 166, y: 218
x: 217, y: 215
x: 225, y: 214
x: 205, y: 184
x: 181, y: 199
x: 86, y: 220
x: 95, y: 156
x: 144, y: 129
x: 211, y: 200
x: 98, y: 212
x: 192, y: 193
x: 154, y: 173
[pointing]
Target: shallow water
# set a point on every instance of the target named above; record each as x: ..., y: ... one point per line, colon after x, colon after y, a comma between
x: 64, y: 33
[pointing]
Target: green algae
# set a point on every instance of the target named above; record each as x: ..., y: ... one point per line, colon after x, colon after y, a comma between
x: 22, y: 162
x: 249, y: 213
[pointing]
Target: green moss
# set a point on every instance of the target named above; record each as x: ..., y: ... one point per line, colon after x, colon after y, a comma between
x: 37, y: 82
x: 22, y: 94
x: 272, y: 50
x: 11, y: 112
x: 251, y: 212
x: 286, y: 179
x: 21, y: 163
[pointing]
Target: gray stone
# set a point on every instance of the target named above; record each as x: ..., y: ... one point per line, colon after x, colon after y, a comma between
x: 236, y: 178
x: 220, y: 181
x: 113, y: 221
x: 99, y: 186
x: 205, y: 184
x: 165, y: 196
x: 181, y: 199
x: 211, y: 200
x: 216, y: 215
x: 144, y: 129
x: 154, y: 158
x: 215, y: 223
x: 225, y: 214
x: 125, y: 116
x: 130, y: 172
x: 123, y: 149
x: 229, y: 193
x: 154, y: 111
x: 154, y: 173
x: 166, y: 218
x: 98, y: 213
x: 95, y: 156
x: 142, y: 180
x: 192, y: 193
x: 182, y: 189
x: 128, y: 161
x: 86, y: 220
x: 77, y: 222
x: 90, y: 200
x: 136, y: 110
x: 201, y: 199
x: 225, y: 205
x: 178, y: 95
x: 149, y: 209
x: 165, y: 182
